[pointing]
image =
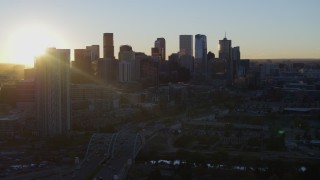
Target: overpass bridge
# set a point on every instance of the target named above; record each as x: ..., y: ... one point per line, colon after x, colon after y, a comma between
x: 109, y: 156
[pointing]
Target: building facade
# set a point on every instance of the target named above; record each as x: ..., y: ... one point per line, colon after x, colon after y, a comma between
x: 186, y: 45
x: 53, y: 92
x: 160, y: 43
x: 200, y: 63
x: 225, y: 54
x: 108, y: 69
x: 236, y: 60
x: 126, y: 64
x: 108, y: 48
x: 93, y: 52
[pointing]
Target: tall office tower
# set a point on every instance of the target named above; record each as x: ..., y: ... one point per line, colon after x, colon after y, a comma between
x: 236, y: 60
x: 236, y: 53
x: 211, y: 56
x: 108, y: 69
x: 93, y: 52
x: 139, y: 56
x: 82, y: 60
x: 155, y: 52
x: 149, y: 71
x: 173, y: 62
x: 82, y: 67
x: 160, y: 43
x: 53, y: 92
x: 186, y: 45
x: 108, y: 48
x: 174, y: 57
x: 200, y: 63
x: 187, y: 62
x: 126, y: 53
x: 225, y: 54
x: 225, y: 49
x: 126, y: 64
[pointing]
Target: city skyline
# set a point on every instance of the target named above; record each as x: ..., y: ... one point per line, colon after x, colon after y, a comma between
x: 264, y: 30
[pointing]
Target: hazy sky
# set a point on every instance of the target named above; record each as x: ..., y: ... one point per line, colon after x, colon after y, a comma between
x: 262, y: 29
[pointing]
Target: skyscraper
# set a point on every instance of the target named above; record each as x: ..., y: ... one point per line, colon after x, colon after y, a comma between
x: 108, y: 69
x: 186, y: 45
x: 211, y: 55
x: 93, y: 52
x: 126, y: 64
x: 155, y: 52
x: 108, y: 48
x: 225, y: 49
x: 126, y: 53
x: 225, y: 54
x: 53, y: 91
x: 82, y: 60
x: 236, y: 53
x: 201, y: 63
x: 236, y: 60
x: 160, y: 43
x: 82, y: 67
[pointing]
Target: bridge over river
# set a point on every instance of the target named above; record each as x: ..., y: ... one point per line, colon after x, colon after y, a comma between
x: 109, y: 156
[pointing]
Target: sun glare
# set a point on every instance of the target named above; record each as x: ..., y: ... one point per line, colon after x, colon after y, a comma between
x: 29, y: 41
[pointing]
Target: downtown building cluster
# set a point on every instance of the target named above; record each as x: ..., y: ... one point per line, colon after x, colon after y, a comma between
x: 192, y: 62
x: 58, y: 94
x: 58, y: 87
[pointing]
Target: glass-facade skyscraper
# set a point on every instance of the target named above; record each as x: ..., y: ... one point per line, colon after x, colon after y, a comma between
x: 201, y: 63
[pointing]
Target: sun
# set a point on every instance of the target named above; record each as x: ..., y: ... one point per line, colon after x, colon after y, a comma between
x: 29, y: 41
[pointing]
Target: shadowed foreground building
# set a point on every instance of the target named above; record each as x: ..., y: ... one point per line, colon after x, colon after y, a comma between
x: 53, y: 92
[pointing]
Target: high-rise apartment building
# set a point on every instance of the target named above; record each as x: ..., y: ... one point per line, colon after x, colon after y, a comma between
x: 186, y: 45
x: 201, y: 63
x: 160, y: 43
x: 108, y: 48
x: 53, y: 92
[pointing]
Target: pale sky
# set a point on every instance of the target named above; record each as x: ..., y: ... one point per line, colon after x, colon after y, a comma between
x: 263, y: 29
